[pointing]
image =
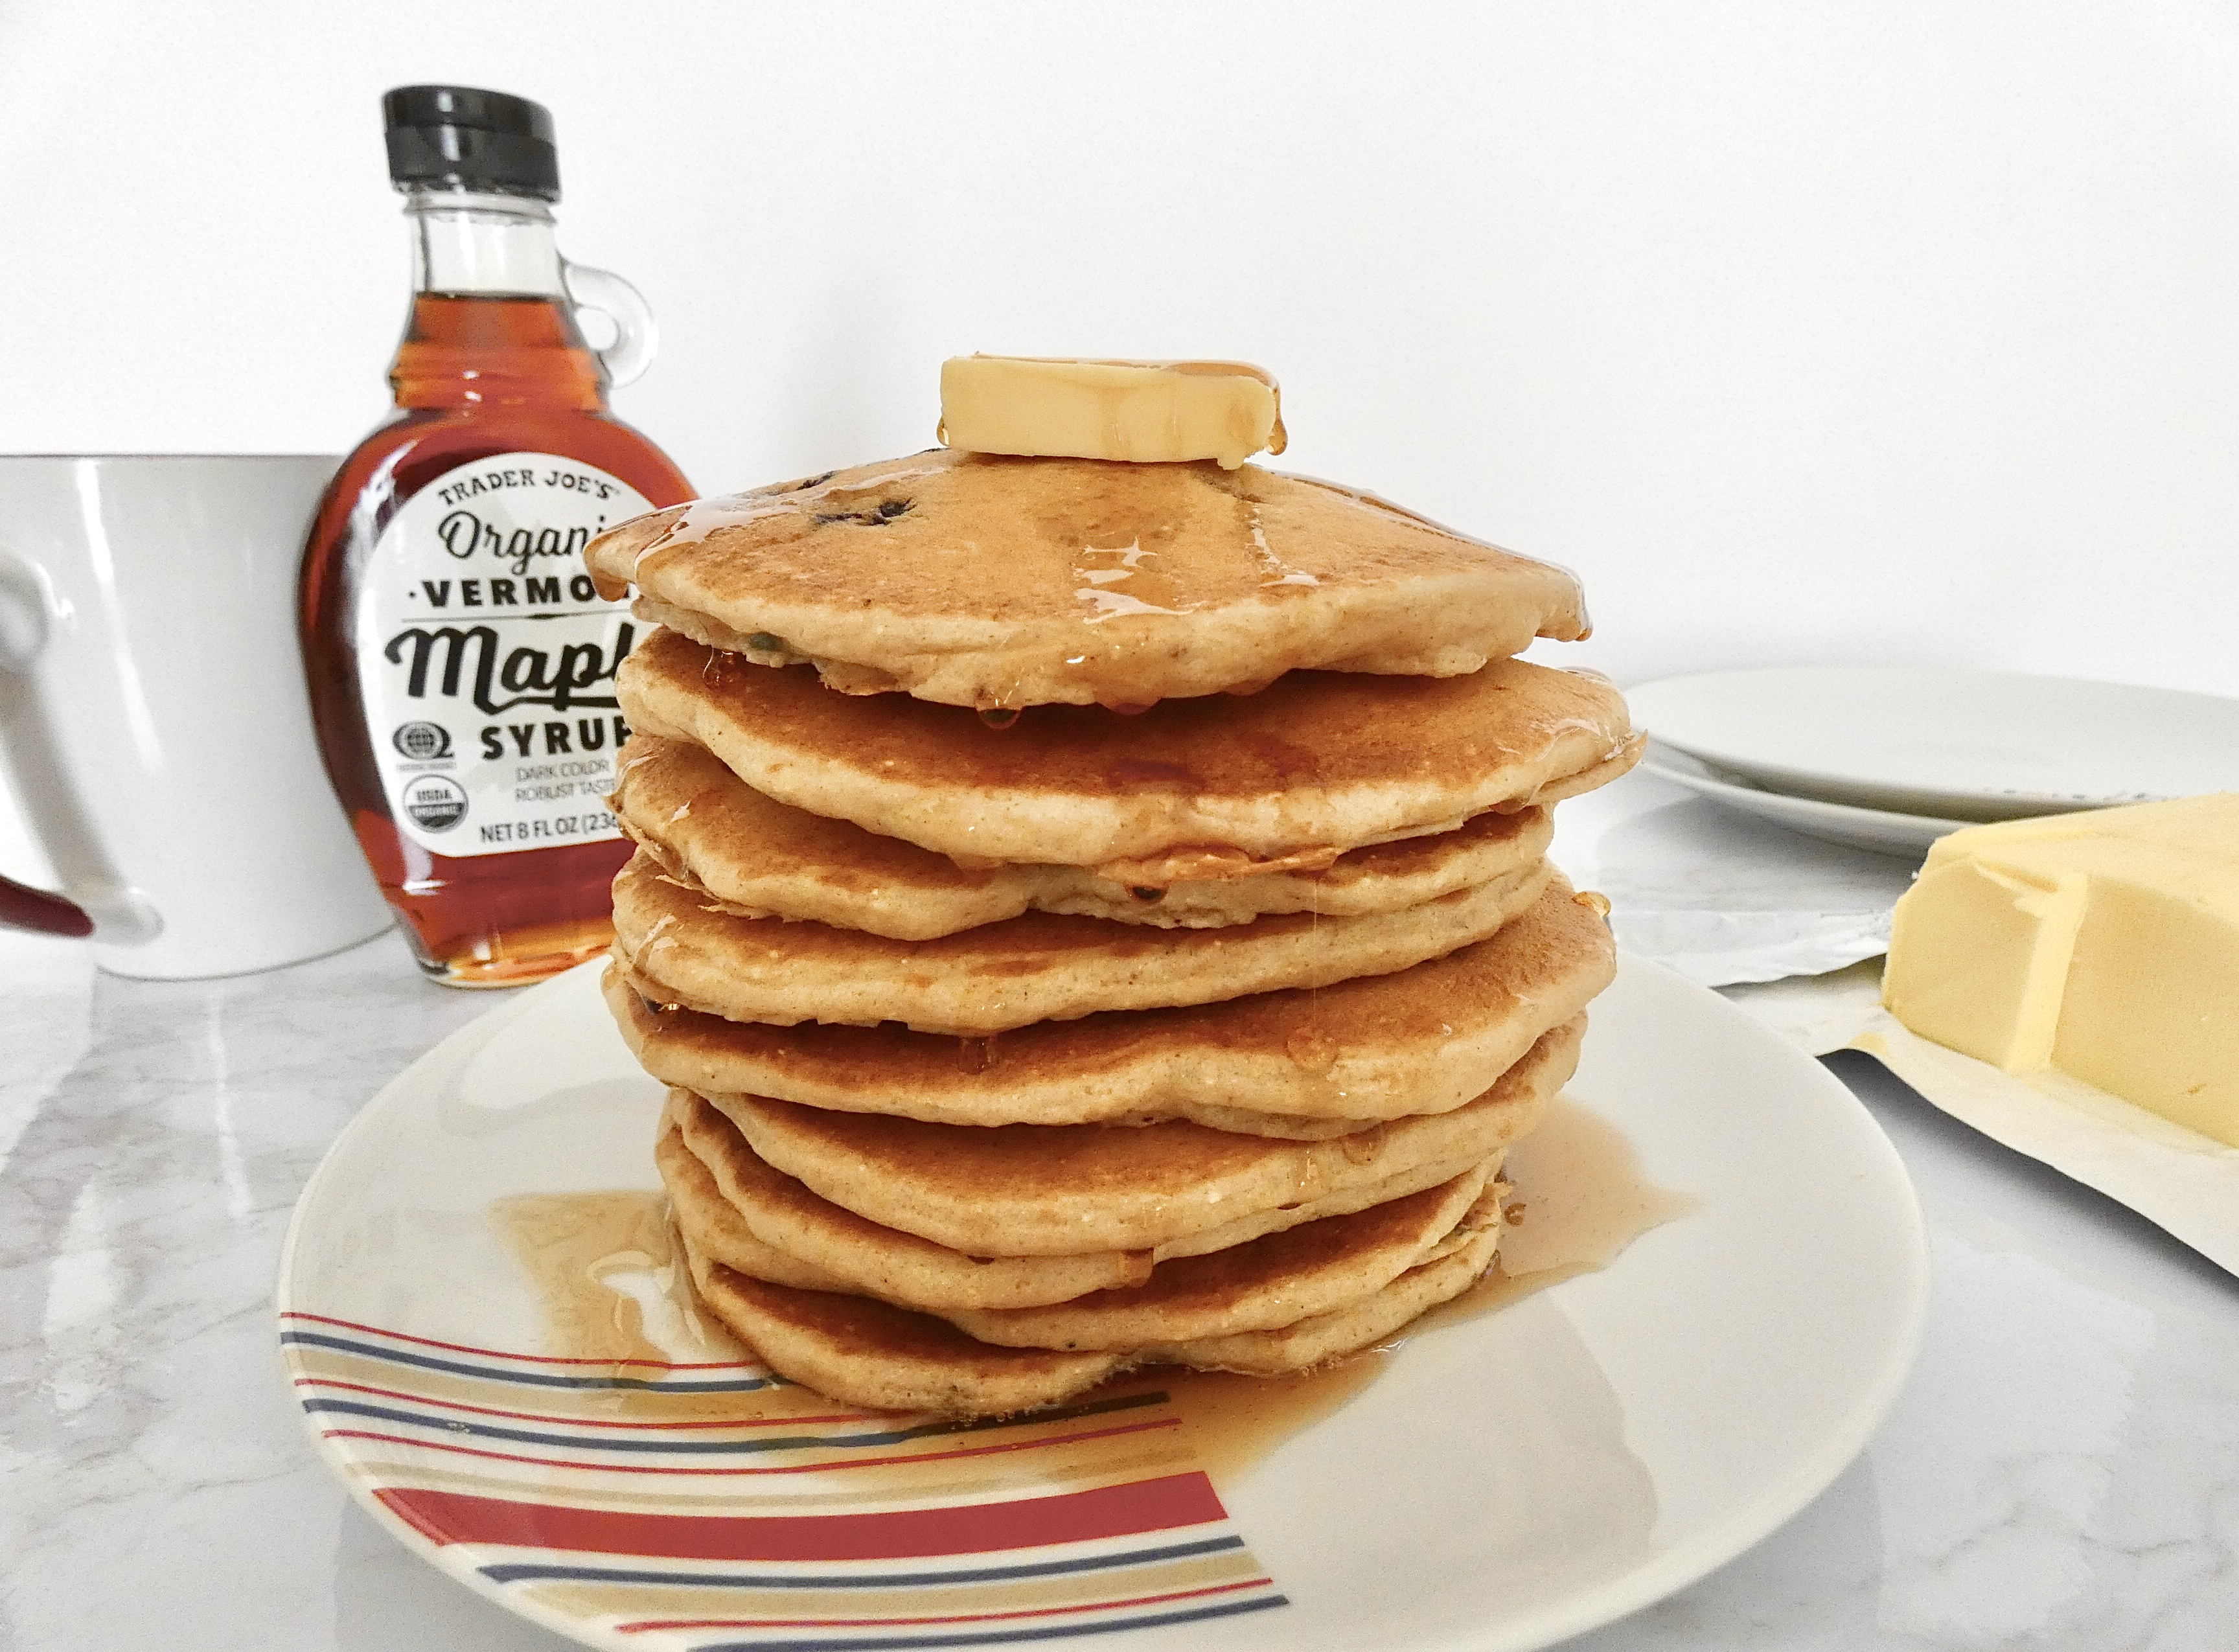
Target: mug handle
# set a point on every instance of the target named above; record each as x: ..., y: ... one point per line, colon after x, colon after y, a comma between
x: 24, y: 908
x: 95, y: 899
x: 636, y: 334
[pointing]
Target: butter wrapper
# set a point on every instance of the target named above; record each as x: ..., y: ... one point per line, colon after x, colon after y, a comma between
x: 2177, y: 1178
x: 2182, y: 1182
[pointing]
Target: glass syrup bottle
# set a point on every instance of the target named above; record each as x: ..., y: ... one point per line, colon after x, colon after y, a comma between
x: 461, y: 666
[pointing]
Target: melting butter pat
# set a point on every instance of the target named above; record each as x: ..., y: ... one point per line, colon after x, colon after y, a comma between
x: 2103, y: 945
x: 1149, y: 411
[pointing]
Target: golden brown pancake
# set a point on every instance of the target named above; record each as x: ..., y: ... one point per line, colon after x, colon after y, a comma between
x: 986, y: 582
x: 751, y: 1217
x: 1258, y: 1284
x: 736, y: 1206
x: 1227, y: 787
x: 1322, y: 1337
x: 1037, y: 967
x: 1420, y: 1040
x: 863, y: 1352
x: 1065, y: 1189
x: 757, y: 857
x: 1263, y: 1284
x: 721, y: 1232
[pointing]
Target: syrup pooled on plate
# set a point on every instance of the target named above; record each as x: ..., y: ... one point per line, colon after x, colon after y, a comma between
x: 1580, y: 1197
x: 610, y: 1279
x: 607, y: 1274
x: 612, y: 1282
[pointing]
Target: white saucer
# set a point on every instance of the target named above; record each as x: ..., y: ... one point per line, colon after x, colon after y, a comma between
x: 1882, y: 831
x: 1961, y: 744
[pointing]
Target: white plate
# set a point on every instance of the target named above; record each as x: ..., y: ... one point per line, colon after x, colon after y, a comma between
x: 1505, y: 1481
x: 1968, y: 745
x: 1879, y: 830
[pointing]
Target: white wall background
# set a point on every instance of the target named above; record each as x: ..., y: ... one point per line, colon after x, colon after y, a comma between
x: 1854, y: 330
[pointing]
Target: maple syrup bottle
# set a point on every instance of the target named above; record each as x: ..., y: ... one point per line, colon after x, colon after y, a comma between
x: 461, y: 666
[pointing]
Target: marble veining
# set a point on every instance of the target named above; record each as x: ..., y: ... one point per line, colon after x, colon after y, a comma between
x: 157, y: 1135
x: 2061, y: 1472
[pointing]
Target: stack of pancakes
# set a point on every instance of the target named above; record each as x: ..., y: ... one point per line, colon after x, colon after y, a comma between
x: 1091, y: 913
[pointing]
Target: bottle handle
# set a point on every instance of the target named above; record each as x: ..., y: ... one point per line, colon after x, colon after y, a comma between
x: 95, y: 899
x: 636, y: 334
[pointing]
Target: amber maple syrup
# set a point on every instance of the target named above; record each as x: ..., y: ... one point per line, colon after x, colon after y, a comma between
x: 608, y: 1278
x: 461, y: 666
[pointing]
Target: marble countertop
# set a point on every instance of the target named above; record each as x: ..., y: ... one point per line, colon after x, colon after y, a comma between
x: 2061, y: 1471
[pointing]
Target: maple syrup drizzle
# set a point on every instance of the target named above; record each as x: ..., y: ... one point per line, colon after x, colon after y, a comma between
x: 697, y: 518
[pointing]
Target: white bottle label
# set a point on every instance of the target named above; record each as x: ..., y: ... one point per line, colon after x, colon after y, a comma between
x: 487, y: 661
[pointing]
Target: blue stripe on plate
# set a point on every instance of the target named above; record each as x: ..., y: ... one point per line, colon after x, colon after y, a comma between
x: 662, y: 1445
x: 538, y: 1379
x: 525, y: 1572
x: 996, y: 1637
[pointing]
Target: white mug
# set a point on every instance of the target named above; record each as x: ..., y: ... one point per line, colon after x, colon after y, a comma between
x: 153, y: 719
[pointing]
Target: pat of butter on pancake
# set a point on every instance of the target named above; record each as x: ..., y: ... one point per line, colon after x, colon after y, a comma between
x: 2104, y: 944
x: 1145, y: 412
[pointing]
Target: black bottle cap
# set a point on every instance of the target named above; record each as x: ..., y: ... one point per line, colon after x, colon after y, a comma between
x: 462, y: 137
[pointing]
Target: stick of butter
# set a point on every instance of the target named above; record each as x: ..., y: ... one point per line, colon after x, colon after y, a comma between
x: 1149, y: 411
x: 2103, y: 944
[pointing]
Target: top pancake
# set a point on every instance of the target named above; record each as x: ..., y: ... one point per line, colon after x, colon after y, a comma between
x: 988, y: 581
x: 1320, y: 763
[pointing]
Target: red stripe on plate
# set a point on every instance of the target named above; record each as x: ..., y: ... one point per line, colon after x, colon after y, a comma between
x: 526, y: 1359
x: 974, y: 1529
x: 967, y: 1617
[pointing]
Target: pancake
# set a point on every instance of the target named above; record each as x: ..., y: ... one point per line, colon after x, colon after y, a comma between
x: 986, y: 582
x: 1259, y: 1284
x: 757, y: 857
x: 862, y: 1352
x: 753, y: 1218
x: 741, y: 1210
x: 1265, y: 1284
x: 700, y: 1213
x: 1039, y: 1189
x: 1323, y: 1338
x: 1262, y: 1285
x: 1420, y: 1040
x: 1320, y: 763
x: 1037, y: 967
